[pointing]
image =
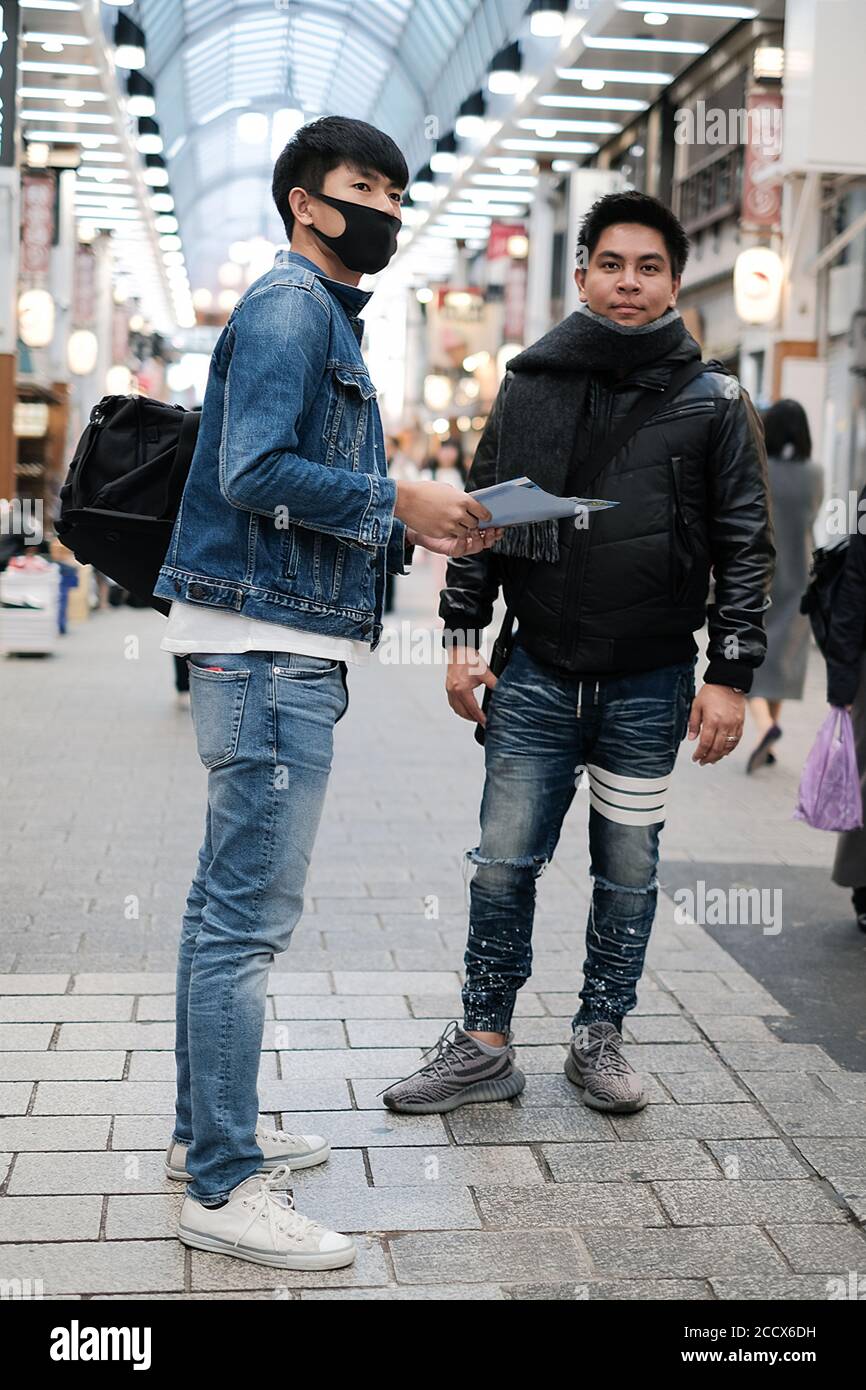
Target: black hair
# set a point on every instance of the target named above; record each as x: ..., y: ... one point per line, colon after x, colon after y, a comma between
x: 320, y: 146
x: 786, y: 424
x: 632, y: 206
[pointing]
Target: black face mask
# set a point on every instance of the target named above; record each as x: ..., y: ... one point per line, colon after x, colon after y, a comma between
x: 369, y: 239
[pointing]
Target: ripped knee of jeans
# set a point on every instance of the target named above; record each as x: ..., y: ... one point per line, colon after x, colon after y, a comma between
x: 473, y: 860
x: 607, y: 886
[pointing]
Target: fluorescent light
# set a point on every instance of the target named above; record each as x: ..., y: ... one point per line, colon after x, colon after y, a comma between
x: 556, y: 146
x: 509, y: 180
x: 646, y: 45
x: 503, y: 83
x: 595, y: 103
x: 695, y: 11
x: 74, y: 40
x: 614, y: 75
x: 87, y: 117
x: 110, y: 156
x: 71, y: 137
x: 102, y: 190
x: 56, y: 5
x: 509, y: 166
x: 68, y: 69
x: 57, y: 94
x: 253, y: 127
x: 563, y: 123
x: 464, y: 210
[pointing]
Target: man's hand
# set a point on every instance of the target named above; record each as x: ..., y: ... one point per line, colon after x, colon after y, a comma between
x: 470, y: 544
x: 466, y: 670
x: 438, y: 510
x: 717, y: 713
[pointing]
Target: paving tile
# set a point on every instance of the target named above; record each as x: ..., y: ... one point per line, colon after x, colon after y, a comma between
x: 103, y: 1098
x: 489, y: 1124
x: 821, y: 1249
x: 746, y: 1202
x: 843, y: 1157
x: 637, y: 1162
x: 33, y: 984
x: 769, y: 1086
x: 469, y: 1166
x: 54, y: 1008
x: 91, y: 1266
x: 821, y: 1119
x: 702, y: 1087
x: 565, y: 1204
x: 757, y: 1158
x: 56, y: 1134
x: 358, y: 1061
x: 62, y: 1066
x: 88, y: 1172
x: 477, y: 1257
x: 25, y: 1037
x: 776, y: 1057
x: 351, y: 1006
x: 702, y: 1253
x: 774, y: 1288
x: 15, y: 1097
x: 731, y: 1121
x: 51, y: 1218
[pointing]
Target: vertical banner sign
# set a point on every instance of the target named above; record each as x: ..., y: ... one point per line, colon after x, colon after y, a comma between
x: 84, y: 287
x: 762, y: 199
x: 38, y: 213
x: 8, y: 52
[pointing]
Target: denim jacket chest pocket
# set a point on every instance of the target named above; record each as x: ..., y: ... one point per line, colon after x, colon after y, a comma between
x: 347, y: 416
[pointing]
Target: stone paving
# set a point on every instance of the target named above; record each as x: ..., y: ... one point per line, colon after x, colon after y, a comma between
x: 743, y: 1178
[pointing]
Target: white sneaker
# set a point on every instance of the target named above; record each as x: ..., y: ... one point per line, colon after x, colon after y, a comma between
x: 262, y: 1226
x: 295, y: 1150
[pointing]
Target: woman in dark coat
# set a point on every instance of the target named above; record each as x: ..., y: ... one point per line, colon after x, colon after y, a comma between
x: 846, y: 688
x: 796, y: 492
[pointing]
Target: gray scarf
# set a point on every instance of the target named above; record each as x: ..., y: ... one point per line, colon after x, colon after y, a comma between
x: 545, y: 399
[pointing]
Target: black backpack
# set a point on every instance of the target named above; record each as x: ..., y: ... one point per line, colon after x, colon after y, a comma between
x: 123, y: 489
x: 825, y: 575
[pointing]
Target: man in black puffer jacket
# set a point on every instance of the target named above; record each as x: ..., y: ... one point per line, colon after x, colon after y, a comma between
x: 602, y: 675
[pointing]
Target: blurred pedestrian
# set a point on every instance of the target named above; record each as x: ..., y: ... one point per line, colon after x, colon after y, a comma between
x: 846, y: 689
x: 796, y: 492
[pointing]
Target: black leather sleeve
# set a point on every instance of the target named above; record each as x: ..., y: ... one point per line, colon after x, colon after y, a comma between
x: 741, y: 544
x: 472, y: 582
x: 845, y: 638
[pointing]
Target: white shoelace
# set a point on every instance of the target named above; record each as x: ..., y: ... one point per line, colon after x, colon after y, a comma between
x: 284, y: 1136
x: 281, y: 1215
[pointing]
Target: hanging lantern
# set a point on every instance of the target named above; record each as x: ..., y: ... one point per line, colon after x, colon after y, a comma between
x: 82, y: 351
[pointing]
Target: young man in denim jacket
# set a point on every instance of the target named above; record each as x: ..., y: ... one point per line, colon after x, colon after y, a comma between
x: 276, y: 572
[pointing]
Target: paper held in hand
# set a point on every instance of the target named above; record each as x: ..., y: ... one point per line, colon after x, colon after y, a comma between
x: 521, y: 500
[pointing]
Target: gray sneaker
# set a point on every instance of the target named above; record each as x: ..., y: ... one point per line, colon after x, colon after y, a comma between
x: 596, y: 1065
x: 461, y: 1073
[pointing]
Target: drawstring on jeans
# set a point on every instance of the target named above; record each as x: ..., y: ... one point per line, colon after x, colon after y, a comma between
x: 580, y: 696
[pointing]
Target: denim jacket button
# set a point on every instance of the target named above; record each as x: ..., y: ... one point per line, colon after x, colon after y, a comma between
x: 196, y: 591
x: 177, y: 586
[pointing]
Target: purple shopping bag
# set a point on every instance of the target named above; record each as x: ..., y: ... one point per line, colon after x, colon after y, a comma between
x: 829, y: 797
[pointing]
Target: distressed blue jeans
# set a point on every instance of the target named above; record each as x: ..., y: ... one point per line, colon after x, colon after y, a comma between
x: 544, y: 730
x: 264, y: 730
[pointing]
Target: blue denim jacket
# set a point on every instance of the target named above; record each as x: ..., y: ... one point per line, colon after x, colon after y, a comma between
x: 288, y: 513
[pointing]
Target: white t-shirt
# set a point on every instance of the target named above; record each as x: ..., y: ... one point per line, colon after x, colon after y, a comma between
x: 190, y: 628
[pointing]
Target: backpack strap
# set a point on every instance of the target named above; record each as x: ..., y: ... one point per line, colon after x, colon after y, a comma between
x: 182, y: 459
x: 648, y: 405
